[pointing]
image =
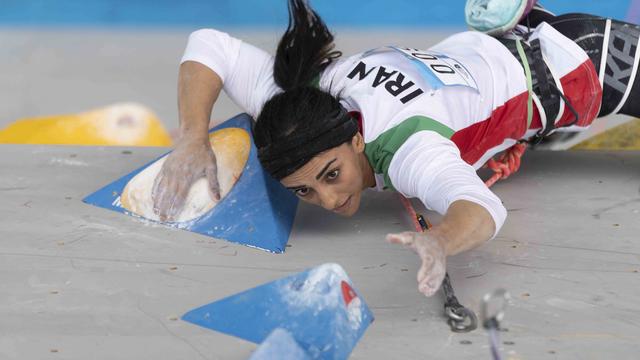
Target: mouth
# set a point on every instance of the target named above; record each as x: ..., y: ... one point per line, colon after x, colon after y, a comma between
x: 343, y: 206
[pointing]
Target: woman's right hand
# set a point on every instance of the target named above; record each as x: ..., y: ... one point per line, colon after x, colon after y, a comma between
x: 192, y: 158
x: 189, y: 161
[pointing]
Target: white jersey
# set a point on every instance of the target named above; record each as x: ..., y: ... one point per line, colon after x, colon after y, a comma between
x: 429, y: 118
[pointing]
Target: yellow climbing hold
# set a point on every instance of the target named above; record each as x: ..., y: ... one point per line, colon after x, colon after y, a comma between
x: 125, y: 124
x: 621, y: 137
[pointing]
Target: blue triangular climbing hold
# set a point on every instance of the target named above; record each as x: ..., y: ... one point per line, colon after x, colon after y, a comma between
x: 318, y: 307
x: 257, y: 212
x: 280, y: 345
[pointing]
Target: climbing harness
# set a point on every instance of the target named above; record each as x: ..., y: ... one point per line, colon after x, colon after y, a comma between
x: 459, y: 318
x: 540, y: 84
x: 492, y: 313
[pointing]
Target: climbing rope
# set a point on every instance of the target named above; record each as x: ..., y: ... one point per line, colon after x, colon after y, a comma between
x: 506, y: 164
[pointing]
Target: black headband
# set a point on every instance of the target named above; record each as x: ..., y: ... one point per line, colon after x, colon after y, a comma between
x: 281, y: 157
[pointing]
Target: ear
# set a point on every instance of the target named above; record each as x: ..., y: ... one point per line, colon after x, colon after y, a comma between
x: 357, y: 142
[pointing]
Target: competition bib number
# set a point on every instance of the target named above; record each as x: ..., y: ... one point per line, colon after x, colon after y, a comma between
x: 438, y: 69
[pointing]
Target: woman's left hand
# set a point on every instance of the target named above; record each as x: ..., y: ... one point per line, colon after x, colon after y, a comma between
x: 433, y: 256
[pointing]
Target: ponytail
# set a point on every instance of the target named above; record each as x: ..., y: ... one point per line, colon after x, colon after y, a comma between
x: 303, y: 120
x: 305, y: 49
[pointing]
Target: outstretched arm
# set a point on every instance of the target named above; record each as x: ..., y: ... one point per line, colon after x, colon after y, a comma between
x: 465, y: 226
x: 428, y: 166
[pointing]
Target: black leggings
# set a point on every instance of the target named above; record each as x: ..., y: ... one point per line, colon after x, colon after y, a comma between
x: 588, y: 32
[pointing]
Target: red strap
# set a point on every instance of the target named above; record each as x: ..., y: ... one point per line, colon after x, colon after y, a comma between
x: 411, y: 211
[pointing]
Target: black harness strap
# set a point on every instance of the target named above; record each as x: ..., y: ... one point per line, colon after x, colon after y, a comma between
x: 549, y: 100
x: 543, y: 85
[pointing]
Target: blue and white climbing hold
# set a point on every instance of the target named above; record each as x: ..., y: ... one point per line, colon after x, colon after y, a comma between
x: 319, y: 307
x: 258, y: 211
x: 280, y: 345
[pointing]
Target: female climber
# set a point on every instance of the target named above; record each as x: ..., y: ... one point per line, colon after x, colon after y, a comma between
x: 417, y: 121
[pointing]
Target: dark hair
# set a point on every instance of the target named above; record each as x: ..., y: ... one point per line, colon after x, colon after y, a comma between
x: 305, y: 49
x: 301, y: 110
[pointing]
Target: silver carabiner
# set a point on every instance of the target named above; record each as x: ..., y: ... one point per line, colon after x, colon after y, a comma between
x: 493, y: 307
x: 461, y: 319
x: 492, y: 312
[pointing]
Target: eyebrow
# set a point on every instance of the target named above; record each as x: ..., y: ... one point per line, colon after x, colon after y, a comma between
x: 324, y: 169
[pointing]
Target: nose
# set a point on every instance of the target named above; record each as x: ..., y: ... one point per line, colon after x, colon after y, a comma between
x: 328, y: 199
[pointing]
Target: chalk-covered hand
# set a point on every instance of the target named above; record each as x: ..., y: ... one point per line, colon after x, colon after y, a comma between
x: 189, y: 161
x: 432, y: 254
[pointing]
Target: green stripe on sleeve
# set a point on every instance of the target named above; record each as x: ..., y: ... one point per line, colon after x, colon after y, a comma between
x: 380, y: 151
